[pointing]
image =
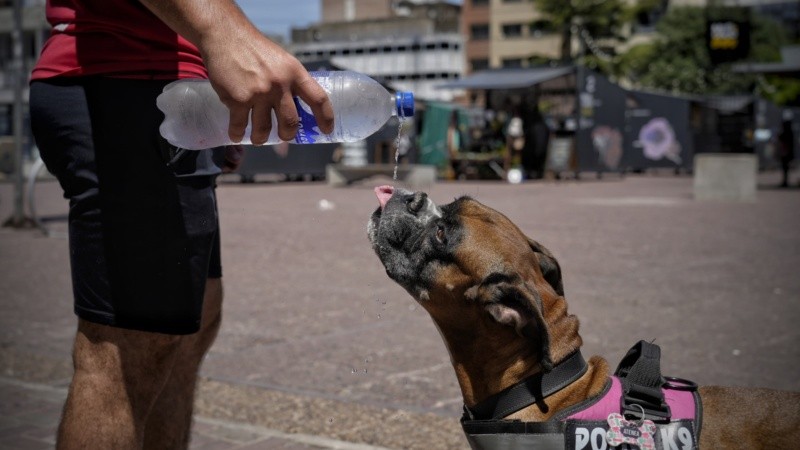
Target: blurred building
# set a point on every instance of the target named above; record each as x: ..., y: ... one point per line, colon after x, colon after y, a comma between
x: 506, y: 33
x: 512, y: 33
x: 34, y: 31
x: 409, y: 45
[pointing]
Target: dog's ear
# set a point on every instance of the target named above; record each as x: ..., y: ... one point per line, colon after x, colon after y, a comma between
x: 548, y: 264
x: 513, y: 302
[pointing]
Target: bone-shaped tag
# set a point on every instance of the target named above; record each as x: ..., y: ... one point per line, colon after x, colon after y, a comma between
x: 622, y: 431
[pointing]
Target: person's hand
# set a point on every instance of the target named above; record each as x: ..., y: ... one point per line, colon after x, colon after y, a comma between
x: 233, y: 158
x: 255, y: 77
x: 252, y: 75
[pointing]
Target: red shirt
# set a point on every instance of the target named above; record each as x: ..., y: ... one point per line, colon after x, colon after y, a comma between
x: 114, y: 38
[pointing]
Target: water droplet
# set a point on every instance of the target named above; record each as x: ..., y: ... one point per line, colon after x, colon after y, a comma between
x: 365, y: 370
x: 379, y: 316
x: 354, y: 370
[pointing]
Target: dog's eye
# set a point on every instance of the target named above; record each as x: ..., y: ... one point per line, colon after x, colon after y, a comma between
x: 440, y: 235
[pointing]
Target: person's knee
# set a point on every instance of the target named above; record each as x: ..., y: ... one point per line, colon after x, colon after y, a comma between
x: 122, y: 352
x: 200, y: 342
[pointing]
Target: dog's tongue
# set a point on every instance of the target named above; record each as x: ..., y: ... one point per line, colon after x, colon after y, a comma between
x: 384, y: 193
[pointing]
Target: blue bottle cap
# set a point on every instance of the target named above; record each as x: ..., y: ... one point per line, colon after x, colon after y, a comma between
x: 405, y: 104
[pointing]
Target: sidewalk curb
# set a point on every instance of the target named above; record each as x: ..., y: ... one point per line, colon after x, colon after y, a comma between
x: 317, y: 441
x: 222, y: 428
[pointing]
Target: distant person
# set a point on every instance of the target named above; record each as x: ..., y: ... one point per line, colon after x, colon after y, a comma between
x: 454, y: 144
x: 786, y: 150
x: 537, y: 138
x: 143, y: 225
x: 515, y: 141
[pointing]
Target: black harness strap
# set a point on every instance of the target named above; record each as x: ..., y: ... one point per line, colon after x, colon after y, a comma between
x: 640, y: 375
x: 514, y: 434
x: 528, y: 391
x: 512, y: 427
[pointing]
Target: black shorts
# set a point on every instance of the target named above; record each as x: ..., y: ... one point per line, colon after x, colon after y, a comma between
x: 143, y: 225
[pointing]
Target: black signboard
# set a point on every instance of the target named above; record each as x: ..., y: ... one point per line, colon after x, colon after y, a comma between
x: 601, y: 126
x: 727, y: 40
x: 657, y: 132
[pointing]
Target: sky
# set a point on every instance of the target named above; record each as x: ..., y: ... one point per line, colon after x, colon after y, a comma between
x: 279, y: 16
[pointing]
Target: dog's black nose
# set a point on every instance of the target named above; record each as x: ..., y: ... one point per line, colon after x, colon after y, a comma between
x: 415, y: 202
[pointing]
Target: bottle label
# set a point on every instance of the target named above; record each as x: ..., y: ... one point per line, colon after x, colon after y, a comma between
x: 307, y: 132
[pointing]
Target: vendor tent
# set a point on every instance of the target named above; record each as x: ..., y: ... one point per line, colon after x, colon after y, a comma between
x: 433, y: 138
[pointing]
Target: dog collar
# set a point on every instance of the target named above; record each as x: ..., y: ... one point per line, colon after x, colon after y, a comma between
x: 528, y: 391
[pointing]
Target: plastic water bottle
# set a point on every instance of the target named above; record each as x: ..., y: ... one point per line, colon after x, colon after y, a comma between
x: 196, y: 119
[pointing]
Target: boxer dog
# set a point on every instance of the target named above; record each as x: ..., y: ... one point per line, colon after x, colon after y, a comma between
x: 498, y: 301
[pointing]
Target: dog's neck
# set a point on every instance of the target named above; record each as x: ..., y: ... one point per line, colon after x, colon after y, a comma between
x: 488, y: 360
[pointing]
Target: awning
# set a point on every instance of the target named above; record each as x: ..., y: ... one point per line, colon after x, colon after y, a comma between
x: 729, y: 104
x: 508, y: 78
x: 789, y: 65
x: 781, y: 68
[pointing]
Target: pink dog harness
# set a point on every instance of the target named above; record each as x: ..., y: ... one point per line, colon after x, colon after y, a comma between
x: 638, y: 409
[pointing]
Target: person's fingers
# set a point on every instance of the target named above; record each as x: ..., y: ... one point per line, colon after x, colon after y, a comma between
x: 315, y: 97
x: 261, y: 123
x: 286, y: 114
x: 238, y: 122
x: 233, y: 158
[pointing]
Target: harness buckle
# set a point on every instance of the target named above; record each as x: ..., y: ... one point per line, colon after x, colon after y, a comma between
x: 634, y: 408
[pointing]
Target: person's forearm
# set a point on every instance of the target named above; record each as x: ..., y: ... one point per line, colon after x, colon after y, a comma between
x: 196, y: 20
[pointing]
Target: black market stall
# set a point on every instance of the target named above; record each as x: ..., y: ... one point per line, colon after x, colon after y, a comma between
x: 544, y: 99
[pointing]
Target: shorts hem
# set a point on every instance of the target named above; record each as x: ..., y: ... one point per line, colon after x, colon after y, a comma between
x: 111, y: 321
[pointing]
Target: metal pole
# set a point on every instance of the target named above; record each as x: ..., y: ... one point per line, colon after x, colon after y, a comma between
x: 579, y: 82
x: 18, y: 218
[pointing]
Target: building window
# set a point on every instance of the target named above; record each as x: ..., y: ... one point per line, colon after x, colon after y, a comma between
x: 479, y: 32
x: 513, y: 30
x: 479, y: 64
x: 512, y: 62
x: 540, y: 28
x: 479, y: 3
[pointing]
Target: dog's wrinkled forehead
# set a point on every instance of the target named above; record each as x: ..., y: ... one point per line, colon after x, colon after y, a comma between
x: 495, y: 240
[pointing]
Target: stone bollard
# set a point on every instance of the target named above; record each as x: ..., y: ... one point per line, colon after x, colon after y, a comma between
x: 725, y: 176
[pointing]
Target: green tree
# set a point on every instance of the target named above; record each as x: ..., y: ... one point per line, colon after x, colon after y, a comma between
x: 678, y: 60
x: 602, y: 19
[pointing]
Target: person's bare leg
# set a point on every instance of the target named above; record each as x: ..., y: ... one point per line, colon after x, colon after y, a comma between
x: 118, y: 375
x: 170, y: 421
